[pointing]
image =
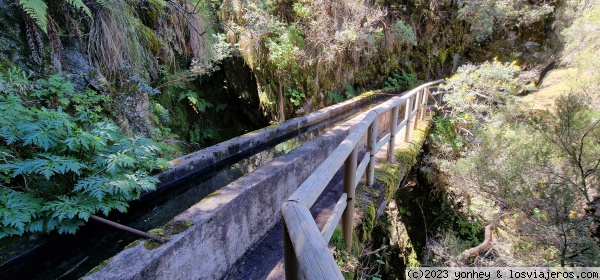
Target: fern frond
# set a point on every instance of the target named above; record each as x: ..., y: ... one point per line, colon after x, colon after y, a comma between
x: 37, y: 10
x: 47, y: 166
x: 104, y: 3
x: 17, y: 210
x: 78, y: 4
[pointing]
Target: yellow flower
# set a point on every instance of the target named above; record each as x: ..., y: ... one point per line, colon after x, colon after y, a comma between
x: 572, y: 214
x: 467, y: 116
x: 495, y: 58
x: 514, y: 62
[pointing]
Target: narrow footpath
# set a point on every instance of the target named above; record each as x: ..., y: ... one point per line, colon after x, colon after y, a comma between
x: 265, y: 259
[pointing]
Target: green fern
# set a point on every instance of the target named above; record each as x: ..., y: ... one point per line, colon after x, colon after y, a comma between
x: 37, y: 10
x: 57, y: 169
x: 47, y: 166
x: 18, y: 213
x: 78, y: 4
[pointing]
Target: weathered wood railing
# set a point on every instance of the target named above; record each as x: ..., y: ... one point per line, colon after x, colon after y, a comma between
x: 306, y: 253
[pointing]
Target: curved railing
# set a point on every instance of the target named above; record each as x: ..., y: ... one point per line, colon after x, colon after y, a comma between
x: 305, y: 247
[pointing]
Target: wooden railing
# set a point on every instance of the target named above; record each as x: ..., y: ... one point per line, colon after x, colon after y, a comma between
x: 305, y: 247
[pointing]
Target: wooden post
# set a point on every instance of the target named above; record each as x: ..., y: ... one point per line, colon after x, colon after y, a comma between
x: 407, y: 110
x: 393, y: 132
x: 349, y: 187
x: 289, y: 256
x: 372, y: 140
x: 425, y: 101
x: 418, y: 107
x: 313, y: 258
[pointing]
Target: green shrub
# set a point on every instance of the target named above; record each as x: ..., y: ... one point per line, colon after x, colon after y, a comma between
x: 295, y: 96
x: 476, y: 91
x: 57, y: 169
x: 333, y: 97
x: 487, y: 17
x: 402, y: 80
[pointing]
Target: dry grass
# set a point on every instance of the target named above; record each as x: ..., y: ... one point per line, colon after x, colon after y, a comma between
x: 115, y: 39
x: 555, y: 84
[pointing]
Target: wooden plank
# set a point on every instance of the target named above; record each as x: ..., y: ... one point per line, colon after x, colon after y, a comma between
x: 424, y: 104
x: 310, y: 190
x: 413, y: 114
x: 393, y: 126
x: 349, y: 189
x: 372, y: 140
x: 407, y: 118
x: 334, y: 219
x: 314, y: 259
x: 382, y: 142
x: 289, y: 257
x: 401, y: 125
x: 360, y: 170
x: 417, y: 107
x: 433, y: 97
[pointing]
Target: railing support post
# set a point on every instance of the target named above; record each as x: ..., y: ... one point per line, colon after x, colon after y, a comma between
x: 393, y: 132
x: 372, y: 140
x: 289, y: 256
x: 349, y: 188
x: 425, y: 101
x: 407, y: 111
x: 417, y: 108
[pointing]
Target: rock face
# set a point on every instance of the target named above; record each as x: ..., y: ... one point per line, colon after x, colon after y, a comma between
x: 17, y: 48
x: 12, y: 51
x: 232, y: 85
x: 241, y: 89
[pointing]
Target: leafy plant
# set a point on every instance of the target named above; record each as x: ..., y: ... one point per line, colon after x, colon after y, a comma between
x: 200, y: 105
x: 350, y: 92
x: 295, y: 96
x: 402, y: 80
x: 475, y: 91
x: 38, y: 9
x: 405, y: 32
x: 57, y: 169
x: 301, y: 10
x: 333, y: 97
x: 487, y: 17
x: 284, y: 48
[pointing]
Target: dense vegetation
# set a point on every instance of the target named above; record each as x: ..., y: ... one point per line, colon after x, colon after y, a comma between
x: 61, y: 161
x: 532, y: 174
x: 94, y: 93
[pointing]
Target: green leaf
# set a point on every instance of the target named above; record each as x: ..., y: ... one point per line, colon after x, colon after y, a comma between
x: 78, y: 4
x: 36, y: 9
x: 17, y: 209
x: 47, y: 166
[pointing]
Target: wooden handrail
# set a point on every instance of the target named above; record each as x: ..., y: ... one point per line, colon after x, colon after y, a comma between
x: 305, y: 248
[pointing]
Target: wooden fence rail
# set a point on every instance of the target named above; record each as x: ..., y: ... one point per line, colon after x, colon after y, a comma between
x: 305, y: 247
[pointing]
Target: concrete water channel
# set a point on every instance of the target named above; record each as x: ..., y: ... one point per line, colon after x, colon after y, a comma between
x: 192, y: 179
